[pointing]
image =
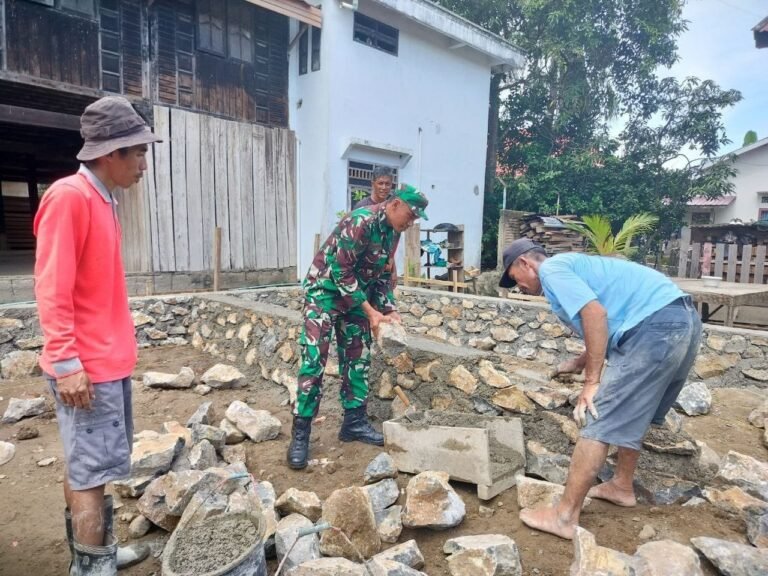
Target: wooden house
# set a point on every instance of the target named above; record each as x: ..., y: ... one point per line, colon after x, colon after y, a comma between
x: 211, y: 76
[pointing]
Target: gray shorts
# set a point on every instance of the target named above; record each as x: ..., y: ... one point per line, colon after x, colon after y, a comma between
x: 644, y: 375
x: 97, y: 442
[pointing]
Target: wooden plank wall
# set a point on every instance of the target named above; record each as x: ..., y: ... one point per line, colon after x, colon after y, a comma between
x: 211, y: 172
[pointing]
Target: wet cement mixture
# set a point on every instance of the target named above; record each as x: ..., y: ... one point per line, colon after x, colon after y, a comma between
x: 213, y: 545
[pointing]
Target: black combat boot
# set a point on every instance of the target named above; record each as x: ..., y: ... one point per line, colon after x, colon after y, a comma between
x: 357, y: 427
x: 298, y: 451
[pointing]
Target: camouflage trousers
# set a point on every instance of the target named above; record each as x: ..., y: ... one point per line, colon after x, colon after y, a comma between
x: 353, y: 339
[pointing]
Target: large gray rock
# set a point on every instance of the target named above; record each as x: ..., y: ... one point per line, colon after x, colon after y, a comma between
x: 532, y: 493
x: 234, y: 435
x: 545, y: 464
x: 407, y: 553
x: 7, y: 451
x: 383, y: 494
x: 213, y: 434
x: 349, y: 510
x: 307, y: 548
x: 492, y: 377
x: 205, y: 414
x: 392, y: 339
x: 19, y: 409
x: 266, y: 494
x: 757, y: 527
x: 258, y: 425
x: 666, y: 558
x: 749, y: 473
x: 152, y: 504
x: 328, y: 567
x: 758, y: 416
x: 389, y: 523
x: 390, y: 568
x: 485, y: 554
x: 154, y: 456
x: 694, y: 399
x: 202, y: 456
x: 380, y: 468
x: 184, y: 379
x: 731, y: 558
x: 19, y: 364
x: 592, y: 560
x: 222, y: 376
x: 733, y: 500
x: 294, y: 501
x: 548, y: 398
x: 431, y: 502
x: 234, y: 454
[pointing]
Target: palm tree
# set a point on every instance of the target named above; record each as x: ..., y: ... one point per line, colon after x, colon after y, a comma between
x: 599, y: 233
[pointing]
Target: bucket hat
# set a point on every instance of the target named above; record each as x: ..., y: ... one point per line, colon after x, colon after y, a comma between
x: 111, y: 123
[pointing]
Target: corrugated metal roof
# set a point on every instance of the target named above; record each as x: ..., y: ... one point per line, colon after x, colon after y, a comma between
x: 704, y: 201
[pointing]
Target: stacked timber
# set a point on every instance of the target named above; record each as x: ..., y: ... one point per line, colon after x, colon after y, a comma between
x: 550, y: 232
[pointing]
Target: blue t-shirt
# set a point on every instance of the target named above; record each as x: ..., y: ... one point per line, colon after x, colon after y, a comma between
x: 629, y: 292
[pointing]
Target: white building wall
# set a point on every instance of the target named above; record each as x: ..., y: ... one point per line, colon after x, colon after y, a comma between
x: 429, y: 100
x: 750, y: 181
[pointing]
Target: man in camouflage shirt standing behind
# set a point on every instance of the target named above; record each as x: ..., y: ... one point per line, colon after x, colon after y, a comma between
x: 348, y: 287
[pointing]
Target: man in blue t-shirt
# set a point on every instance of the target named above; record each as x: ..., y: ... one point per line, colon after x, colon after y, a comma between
x: 647, y: 329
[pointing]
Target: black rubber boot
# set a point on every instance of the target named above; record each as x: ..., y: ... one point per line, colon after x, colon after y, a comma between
x: 356, y: 426
x: 127, y: 556
x: 96, y: 560
x: 298, y: 451
x: 70, y: 540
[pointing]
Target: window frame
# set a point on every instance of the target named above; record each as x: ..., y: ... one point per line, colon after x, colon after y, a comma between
x: 198, y: 32
x: 303, y: 49
x: 315, y: 45
x: 376, y: 31
x: 762, y: 212
x: 57, y: 5
x: 243, y: 15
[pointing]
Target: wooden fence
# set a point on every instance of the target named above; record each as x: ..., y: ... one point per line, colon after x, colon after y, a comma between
x: 742, y: 263
x: 210, y: 173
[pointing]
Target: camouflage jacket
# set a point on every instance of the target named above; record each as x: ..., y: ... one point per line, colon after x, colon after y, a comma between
x: 351, y: 266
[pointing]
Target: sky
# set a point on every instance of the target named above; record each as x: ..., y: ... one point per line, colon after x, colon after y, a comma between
x: 719, y: 45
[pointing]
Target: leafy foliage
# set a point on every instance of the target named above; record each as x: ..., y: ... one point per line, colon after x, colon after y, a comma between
x: 750, y: 138
x: 599, y: 233
x: 592, y: 66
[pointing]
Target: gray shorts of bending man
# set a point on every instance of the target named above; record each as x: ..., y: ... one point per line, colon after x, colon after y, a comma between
x: 649, y: 332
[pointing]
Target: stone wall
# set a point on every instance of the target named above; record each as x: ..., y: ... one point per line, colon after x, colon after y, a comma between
x: 510, y: 330
x: 465, y: 354
x: 528, y: 330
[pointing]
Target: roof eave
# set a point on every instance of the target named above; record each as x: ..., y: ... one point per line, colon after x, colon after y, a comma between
x: 504, y: 55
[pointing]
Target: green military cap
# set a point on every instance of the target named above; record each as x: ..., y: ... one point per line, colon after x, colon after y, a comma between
x: 415, y: 199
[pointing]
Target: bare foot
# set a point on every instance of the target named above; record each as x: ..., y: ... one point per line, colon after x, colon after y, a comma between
x: 613, y: 494
x: 547, y: 520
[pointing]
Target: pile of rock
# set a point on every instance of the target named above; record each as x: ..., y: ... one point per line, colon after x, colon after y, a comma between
x: 189, y: 473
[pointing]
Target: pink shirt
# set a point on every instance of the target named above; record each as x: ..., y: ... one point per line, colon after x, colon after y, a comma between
x: 80, y: 282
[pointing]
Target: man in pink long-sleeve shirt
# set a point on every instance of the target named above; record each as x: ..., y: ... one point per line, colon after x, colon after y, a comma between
x: 90, y: 346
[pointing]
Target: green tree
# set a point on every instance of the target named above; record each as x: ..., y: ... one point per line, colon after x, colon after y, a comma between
x: 750, y: 138
x: 592, y: 64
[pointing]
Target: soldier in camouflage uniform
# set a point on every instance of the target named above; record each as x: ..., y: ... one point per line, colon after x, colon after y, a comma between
x: 348, y: 288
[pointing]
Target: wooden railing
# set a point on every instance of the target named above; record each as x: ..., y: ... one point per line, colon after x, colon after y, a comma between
x: 742, y: 263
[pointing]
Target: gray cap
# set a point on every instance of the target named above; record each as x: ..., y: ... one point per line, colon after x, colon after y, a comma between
x: 111, y: 123
x: 513, y: 252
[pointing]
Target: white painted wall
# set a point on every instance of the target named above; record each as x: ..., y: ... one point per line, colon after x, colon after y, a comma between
x: 430, y: 100
x: 750, y: 181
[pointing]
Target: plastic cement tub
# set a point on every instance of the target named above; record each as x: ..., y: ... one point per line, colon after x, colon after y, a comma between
x: 223, y: 545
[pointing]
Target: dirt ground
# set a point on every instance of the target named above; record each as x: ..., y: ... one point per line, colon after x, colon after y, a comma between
x: 32, y: 539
